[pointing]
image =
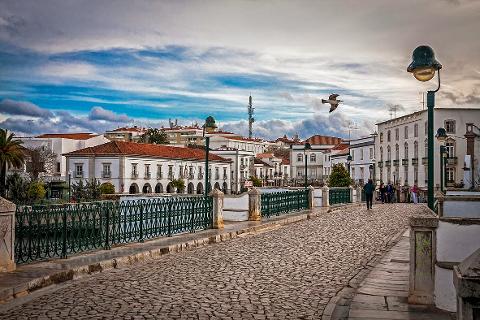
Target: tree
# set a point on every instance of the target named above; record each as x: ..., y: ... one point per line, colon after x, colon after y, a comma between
x: 17, y: 188
x: 86, y: 191
x: 179, y: 184
x: 107, y: 188
x: 40, y: 160
x: 256, y: 182
x: 155, y: 136
x: 36, y: 191
x: 339, y: 177
x: 11, y: 154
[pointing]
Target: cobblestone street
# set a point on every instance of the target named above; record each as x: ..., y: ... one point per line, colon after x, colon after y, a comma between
x: 285, y: 273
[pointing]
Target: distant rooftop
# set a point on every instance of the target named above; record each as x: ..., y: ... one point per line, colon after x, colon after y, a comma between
x: 73, y: 136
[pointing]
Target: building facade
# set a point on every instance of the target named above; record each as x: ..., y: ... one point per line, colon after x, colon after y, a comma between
x: 241, y: 166
x: 127, y: 134
x: 362, y: 167
x: 147, y: 168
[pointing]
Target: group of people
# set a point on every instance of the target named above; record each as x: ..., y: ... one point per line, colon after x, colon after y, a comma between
x: 387, y: 193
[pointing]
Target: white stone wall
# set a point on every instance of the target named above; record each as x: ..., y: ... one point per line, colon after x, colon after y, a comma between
x: 235, y: 208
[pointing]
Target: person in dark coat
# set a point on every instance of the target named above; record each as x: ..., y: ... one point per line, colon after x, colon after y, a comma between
x: 368, y: 189
x: 382, y: 192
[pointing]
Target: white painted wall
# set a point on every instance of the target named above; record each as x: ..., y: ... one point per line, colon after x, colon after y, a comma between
x: 235, y: 208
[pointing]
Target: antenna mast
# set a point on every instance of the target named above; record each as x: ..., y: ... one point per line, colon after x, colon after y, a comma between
x: 251, y: 120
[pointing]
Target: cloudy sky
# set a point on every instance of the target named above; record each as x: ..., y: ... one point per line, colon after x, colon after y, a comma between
x: 77, y: 65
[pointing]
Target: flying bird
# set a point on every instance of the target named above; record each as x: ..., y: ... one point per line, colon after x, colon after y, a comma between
x: 332, y: 99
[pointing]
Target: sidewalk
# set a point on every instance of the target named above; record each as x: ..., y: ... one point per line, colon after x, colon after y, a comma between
x: 383, y: 293
x: 30, y: 277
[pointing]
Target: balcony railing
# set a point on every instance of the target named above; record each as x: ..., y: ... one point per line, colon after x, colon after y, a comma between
x: 396, y: 163
x: 425, y: 161
x: 414, y: 161
x: 451, y: 161
x: 380, y: 164
x: 200, y: 175
x: 388, y: 163
x: 404, y: 162
x: 106, y: 174
x: 134, y: 175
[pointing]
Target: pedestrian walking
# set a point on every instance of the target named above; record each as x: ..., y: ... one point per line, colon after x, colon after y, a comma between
x: 382, y: 192
x: 414, y: 192
x: 389, y: 192
x: 368, y: 189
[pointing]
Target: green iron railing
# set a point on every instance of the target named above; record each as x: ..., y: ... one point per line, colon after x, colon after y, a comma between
x: 44, y: 232
x: 339, y: 195
x: 276, y: 203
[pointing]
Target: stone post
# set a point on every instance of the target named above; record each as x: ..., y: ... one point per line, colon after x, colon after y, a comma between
x: 7, y: 235
x: 217, y: 208
x: 440, y: 196
x: 351, y: 194
x: 466, y: 279
x: 325, y: 197
x: 423, y: 250
x: 359, y: 193
x: 311, y: 198
x: 254, y: 205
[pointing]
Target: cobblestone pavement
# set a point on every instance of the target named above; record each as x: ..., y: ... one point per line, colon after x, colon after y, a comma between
x: 286, y: 273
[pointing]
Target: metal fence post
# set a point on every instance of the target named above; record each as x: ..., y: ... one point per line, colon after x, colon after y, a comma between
x: 192, y: 215
x: 107, y: 226
x: 141, y: 220
x: 170, y: 217
x: 64, y: 233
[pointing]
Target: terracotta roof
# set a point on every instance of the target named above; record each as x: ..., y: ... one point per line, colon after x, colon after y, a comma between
x: 73, y: 136
x: 245, y: 139
x: 323, y: 140
x: 258, y: 161
x: 264, y: 155
x: 340, y: 146
x: 221, y: 132
x: 146, y: 149
x: 341, y: 153
x: 130, y: 129
x: 285, y: 161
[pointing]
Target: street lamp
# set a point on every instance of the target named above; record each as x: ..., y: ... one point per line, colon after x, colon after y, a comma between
x: 441, y: 137
x: 306, y: 150
x: 423, y: 68
x: 349, y: 159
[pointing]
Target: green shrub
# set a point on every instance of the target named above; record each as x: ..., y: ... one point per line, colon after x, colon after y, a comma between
x: 36, y: 191
x: 339, y: 176
x: 107, y: 188
x: 256, y: 182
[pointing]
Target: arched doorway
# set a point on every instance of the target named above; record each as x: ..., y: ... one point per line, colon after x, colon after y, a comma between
x: 217, y: 186
x: 199, y: 188
x: 170, y: 188
x: 159, y: 188
x: 133, y: 189
x: 225, y: 187
x: 147, y: 188
x: 190, y: 188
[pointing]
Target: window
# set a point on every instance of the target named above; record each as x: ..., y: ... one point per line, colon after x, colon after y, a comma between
x: 181, y: 172
x: 397, y: 152
x: 362, y: 172
x: 426, y: 127
x: 450, y: 146
x: 147, y: 171
x: 190, y: 173
x: 217, y: 173
x: 313, y: 157
x: 58, y: 167
x: 450, y: 175
x: 224, y: 173
x: 415, y: 149
x: 159, y: 171
x: 388, y: 135
x: 397, y: 134
x: 389, y: 154
x: 134, y: 170
x: 405, y: 151
x: 406, y: 132
x: 200, y: 173
x: 106, y: 170
x: 415, y: 175
x: 299, y: 157
x: 371, y: 153
x: 381, y: 153
x: 405, y: 174
x: 352, y: 154
x: 381, y: 136
x: 426, y: 148
x: 450, y: 126
x: 353, y: 173
x: 361, y: 154
x: 415, y: 130
x: 78, y: 170
x: 170, y: 172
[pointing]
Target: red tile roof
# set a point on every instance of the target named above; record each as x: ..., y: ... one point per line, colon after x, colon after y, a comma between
x: 323, y: 140
x: 285, y: 161
x: 73, y: 136
x: 245, y: 139
x: 340, y: 146
x: 130, y: 129
x: 146, y: 149
x: 258, y: 161
x: 264, y: 155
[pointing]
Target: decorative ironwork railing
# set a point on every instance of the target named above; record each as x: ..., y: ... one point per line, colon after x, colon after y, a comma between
x: 339, y: 195
x: 405, y: 162
x: 44, y: 232
x: 395, y: 163
x: 277, y: 203
x: 414, y: 161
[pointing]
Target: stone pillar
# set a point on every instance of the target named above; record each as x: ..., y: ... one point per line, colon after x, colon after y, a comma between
x: 217, y: 208
x: 311, y: 198
x: 466, y: 279
x: 441, y: 199
x: 351, y: 194
x: 7, y: 235
x: 325, y: 197
x: 359, y: 193
x: 254, y: 205
x: 423, y: 250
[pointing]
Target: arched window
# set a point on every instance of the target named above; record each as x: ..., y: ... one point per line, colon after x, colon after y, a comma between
x: 381, y: 153
x: 405, y: 151
x: 389, y: 154
x: 397, y: 152
x: 450, y: 145
x: 415, y: 149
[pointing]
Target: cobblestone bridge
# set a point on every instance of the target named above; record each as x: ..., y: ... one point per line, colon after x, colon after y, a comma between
x: 285, y: 273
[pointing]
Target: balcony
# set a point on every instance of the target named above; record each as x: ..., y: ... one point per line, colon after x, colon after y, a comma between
x: 388, y: 163
x: 451, y: 161
x: 134, y: 175
x: 106, y: 174
x: 404, y: 162
x: 200, y: 175
x: 425, y: 161
x: 396, y: 163
x: 380, y: 164
x: 414, y: 161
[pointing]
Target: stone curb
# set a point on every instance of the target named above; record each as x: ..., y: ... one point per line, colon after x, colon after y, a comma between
x: 23, y: 289
x: 339, y: 305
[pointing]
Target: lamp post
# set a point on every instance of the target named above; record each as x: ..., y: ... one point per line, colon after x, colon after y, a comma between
x: 307, y: 148
x: 423, y: 68
x: 441, y: 137
x: 349, y: 160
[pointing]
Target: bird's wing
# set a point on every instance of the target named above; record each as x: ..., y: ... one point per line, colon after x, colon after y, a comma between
x: 333, y: 96
x: 333, y: 107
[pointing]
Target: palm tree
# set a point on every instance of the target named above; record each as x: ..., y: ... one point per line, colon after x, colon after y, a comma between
x: 11, y: 154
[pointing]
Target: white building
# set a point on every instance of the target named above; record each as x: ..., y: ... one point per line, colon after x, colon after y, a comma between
x: 126, y: 134
x: 274, y: 171
x: 362, y: 151
x: 402, y: 151
x: 140, y: 167
x: 241, y: 166
x: 60, y: 143
x: 246, y: 144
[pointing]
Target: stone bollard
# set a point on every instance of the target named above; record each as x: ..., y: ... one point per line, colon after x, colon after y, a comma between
x: 440, y: 196
x: 254, y: 205
x: 7, y: 235
x: 311, y: 198
x: 217, y: 208
x: 466, y: 279
x: 325, y: 197
x: 423, y: 250
x: 351, y: 194
x: 359, y: 193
